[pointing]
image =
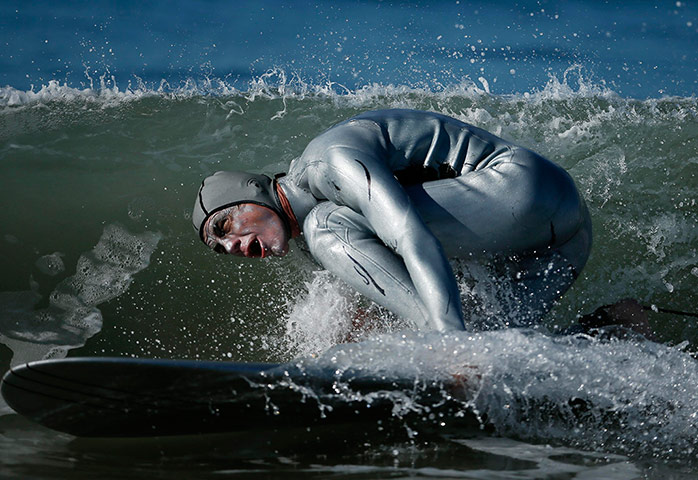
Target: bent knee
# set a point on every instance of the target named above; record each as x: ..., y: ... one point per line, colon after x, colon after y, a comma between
x: 318, y: 230
x: 329, y: 225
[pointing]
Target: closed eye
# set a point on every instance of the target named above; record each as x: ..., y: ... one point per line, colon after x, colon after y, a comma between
x: 218, y: 229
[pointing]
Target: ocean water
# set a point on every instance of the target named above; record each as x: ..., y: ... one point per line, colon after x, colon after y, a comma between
x: 111, y: 113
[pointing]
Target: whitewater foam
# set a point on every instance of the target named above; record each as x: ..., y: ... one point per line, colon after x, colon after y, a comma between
x: 626, y: 395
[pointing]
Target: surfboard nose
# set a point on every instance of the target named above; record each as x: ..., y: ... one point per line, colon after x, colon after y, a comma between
x: 127, y: 397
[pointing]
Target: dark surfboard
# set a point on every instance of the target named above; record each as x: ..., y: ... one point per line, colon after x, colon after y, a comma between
x: 109, y: 397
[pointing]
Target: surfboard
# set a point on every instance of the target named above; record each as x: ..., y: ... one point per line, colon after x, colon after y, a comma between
x: 125, y: 397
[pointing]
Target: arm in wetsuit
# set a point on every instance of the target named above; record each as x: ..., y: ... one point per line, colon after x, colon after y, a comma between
x: 360, y: 179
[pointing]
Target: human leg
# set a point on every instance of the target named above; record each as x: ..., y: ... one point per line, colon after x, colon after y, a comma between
x: 521, y: 217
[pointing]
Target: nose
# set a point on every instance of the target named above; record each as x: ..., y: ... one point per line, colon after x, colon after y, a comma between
x: 230, y: 244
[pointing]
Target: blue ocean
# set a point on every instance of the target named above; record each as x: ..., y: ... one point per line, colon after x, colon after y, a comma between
x: 111, y: 114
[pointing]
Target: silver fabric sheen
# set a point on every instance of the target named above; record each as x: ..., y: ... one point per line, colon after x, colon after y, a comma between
x: 386, y: 197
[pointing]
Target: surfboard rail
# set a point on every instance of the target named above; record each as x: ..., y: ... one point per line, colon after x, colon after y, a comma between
x: 126, y: 397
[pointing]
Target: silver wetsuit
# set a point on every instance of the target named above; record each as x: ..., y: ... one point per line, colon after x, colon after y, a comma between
x: 384, y: 198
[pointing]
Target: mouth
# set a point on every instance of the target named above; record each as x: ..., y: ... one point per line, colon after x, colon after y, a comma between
x: 255, y: 249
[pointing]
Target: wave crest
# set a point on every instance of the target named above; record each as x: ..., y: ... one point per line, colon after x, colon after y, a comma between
x: 278, y: 83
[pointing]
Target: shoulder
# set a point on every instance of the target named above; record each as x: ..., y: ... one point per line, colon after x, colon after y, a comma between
x: 354, y: 138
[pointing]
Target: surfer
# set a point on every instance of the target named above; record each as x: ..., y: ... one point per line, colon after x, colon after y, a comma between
x: 385, y: 198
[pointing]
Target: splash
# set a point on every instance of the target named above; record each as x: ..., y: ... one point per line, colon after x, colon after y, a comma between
x: 328, y: 312
x: 54, y: 91
x: 630, y: 396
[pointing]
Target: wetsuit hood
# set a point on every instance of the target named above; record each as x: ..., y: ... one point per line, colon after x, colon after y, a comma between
x: 226, y: 189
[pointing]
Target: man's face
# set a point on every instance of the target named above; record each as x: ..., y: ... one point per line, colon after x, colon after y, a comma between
x: 247, y: 230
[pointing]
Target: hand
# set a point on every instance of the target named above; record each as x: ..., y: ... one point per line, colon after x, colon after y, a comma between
x: 464, y: 384
x: 362, y: 321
